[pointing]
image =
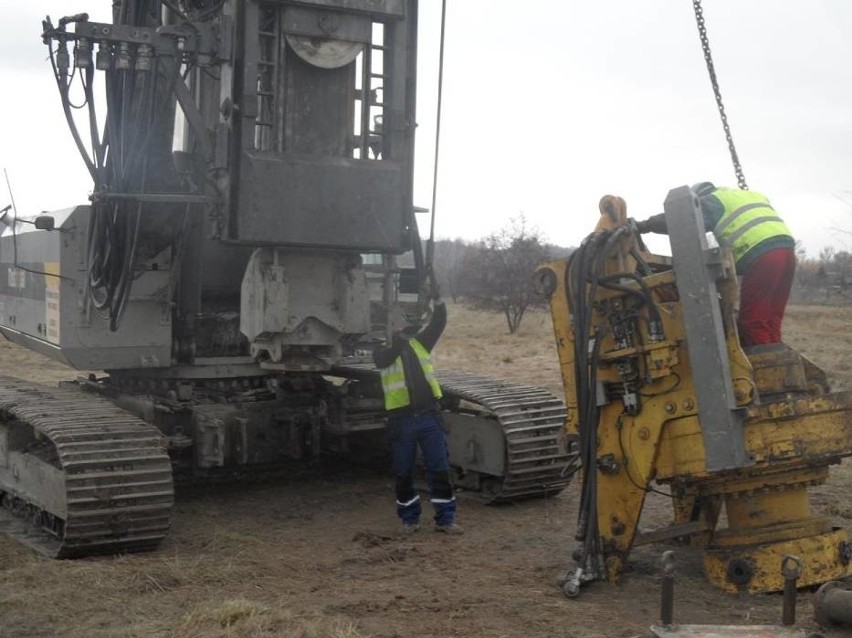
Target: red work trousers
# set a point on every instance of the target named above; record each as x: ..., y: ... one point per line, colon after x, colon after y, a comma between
x: 764, y: 292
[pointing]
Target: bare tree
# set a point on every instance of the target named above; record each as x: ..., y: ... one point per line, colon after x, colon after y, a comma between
x: 449, y: 262
x: 497, y: 273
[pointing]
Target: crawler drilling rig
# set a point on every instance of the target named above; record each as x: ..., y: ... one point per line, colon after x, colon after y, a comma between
x: 252, y: 187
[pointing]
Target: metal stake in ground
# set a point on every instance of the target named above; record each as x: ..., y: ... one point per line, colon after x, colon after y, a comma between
x: 667, y: 592
x: 791, y: 569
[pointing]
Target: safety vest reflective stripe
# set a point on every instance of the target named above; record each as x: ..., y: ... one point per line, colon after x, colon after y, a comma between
x: 394, y: 383
x: 748, y: 220
x: 742, y: 230
x: 729, y: 219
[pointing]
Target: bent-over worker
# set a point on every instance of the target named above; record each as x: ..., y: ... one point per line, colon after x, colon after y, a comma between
x: 412, y: 395
x: 764, y: 252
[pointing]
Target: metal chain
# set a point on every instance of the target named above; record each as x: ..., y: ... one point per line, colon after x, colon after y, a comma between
x: 708, y: 58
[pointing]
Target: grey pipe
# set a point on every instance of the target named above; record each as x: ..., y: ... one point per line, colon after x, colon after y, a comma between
x: 833, y: 604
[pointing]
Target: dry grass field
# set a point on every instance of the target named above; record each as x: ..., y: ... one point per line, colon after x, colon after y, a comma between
x: 318, y: 554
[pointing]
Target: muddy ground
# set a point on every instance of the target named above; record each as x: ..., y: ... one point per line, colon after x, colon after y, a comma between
x: 317, y: 554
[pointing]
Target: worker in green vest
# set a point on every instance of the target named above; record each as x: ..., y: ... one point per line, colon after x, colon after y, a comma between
x: 764, y: 252
x: 412, y: 395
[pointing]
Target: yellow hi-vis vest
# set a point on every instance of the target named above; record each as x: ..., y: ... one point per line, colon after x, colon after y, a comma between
x: 393, y: 378
x: 748, y: 220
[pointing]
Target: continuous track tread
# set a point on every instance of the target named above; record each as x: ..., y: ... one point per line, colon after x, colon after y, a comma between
x: 540, y: 467
x: 102, y: 452
x: 532, y: 420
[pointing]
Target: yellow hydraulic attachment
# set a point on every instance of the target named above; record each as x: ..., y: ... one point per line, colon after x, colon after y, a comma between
x: 659, y: 390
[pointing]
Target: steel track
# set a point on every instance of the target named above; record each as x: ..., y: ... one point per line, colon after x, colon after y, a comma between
x: 538, y: 461
x: 109, y: 476
x: 114, y: 480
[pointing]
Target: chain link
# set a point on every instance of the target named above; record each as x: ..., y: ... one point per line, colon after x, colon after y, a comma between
x: 708, y: 58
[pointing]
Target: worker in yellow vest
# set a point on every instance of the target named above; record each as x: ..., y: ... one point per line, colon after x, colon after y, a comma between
x: 764, y: 252
x: 412, y: 395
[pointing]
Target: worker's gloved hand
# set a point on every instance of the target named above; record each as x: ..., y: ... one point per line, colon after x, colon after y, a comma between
x: 654, y: 224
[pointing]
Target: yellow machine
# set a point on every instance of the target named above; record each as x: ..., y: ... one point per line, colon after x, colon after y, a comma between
x: 659, y: 390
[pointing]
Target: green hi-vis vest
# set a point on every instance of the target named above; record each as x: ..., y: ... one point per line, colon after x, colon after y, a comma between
x: 393, y: 378
x: 747, y: 221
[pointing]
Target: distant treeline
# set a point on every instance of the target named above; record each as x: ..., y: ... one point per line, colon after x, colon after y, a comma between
x: 495, y: 273
x: 825, y: 280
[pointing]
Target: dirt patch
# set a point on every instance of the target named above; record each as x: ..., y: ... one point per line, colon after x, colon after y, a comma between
x: 320, y: 554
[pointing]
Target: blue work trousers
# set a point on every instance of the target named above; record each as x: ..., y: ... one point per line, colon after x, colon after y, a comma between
x: 425, y: 430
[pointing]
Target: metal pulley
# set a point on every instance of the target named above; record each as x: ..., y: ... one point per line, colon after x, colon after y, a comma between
x: 323, y: 52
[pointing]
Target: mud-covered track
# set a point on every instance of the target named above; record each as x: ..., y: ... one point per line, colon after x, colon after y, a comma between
x: 78, y: 475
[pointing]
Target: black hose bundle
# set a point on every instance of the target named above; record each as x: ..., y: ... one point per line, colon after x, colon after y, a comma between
x: 584, y: 276
x: 114, y: 225
x: 118, y: 161
x: 581, y: 289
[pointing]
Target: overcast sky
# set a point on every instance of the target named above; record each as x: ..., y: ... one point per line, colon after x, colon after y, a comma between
x: 548, y: 105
